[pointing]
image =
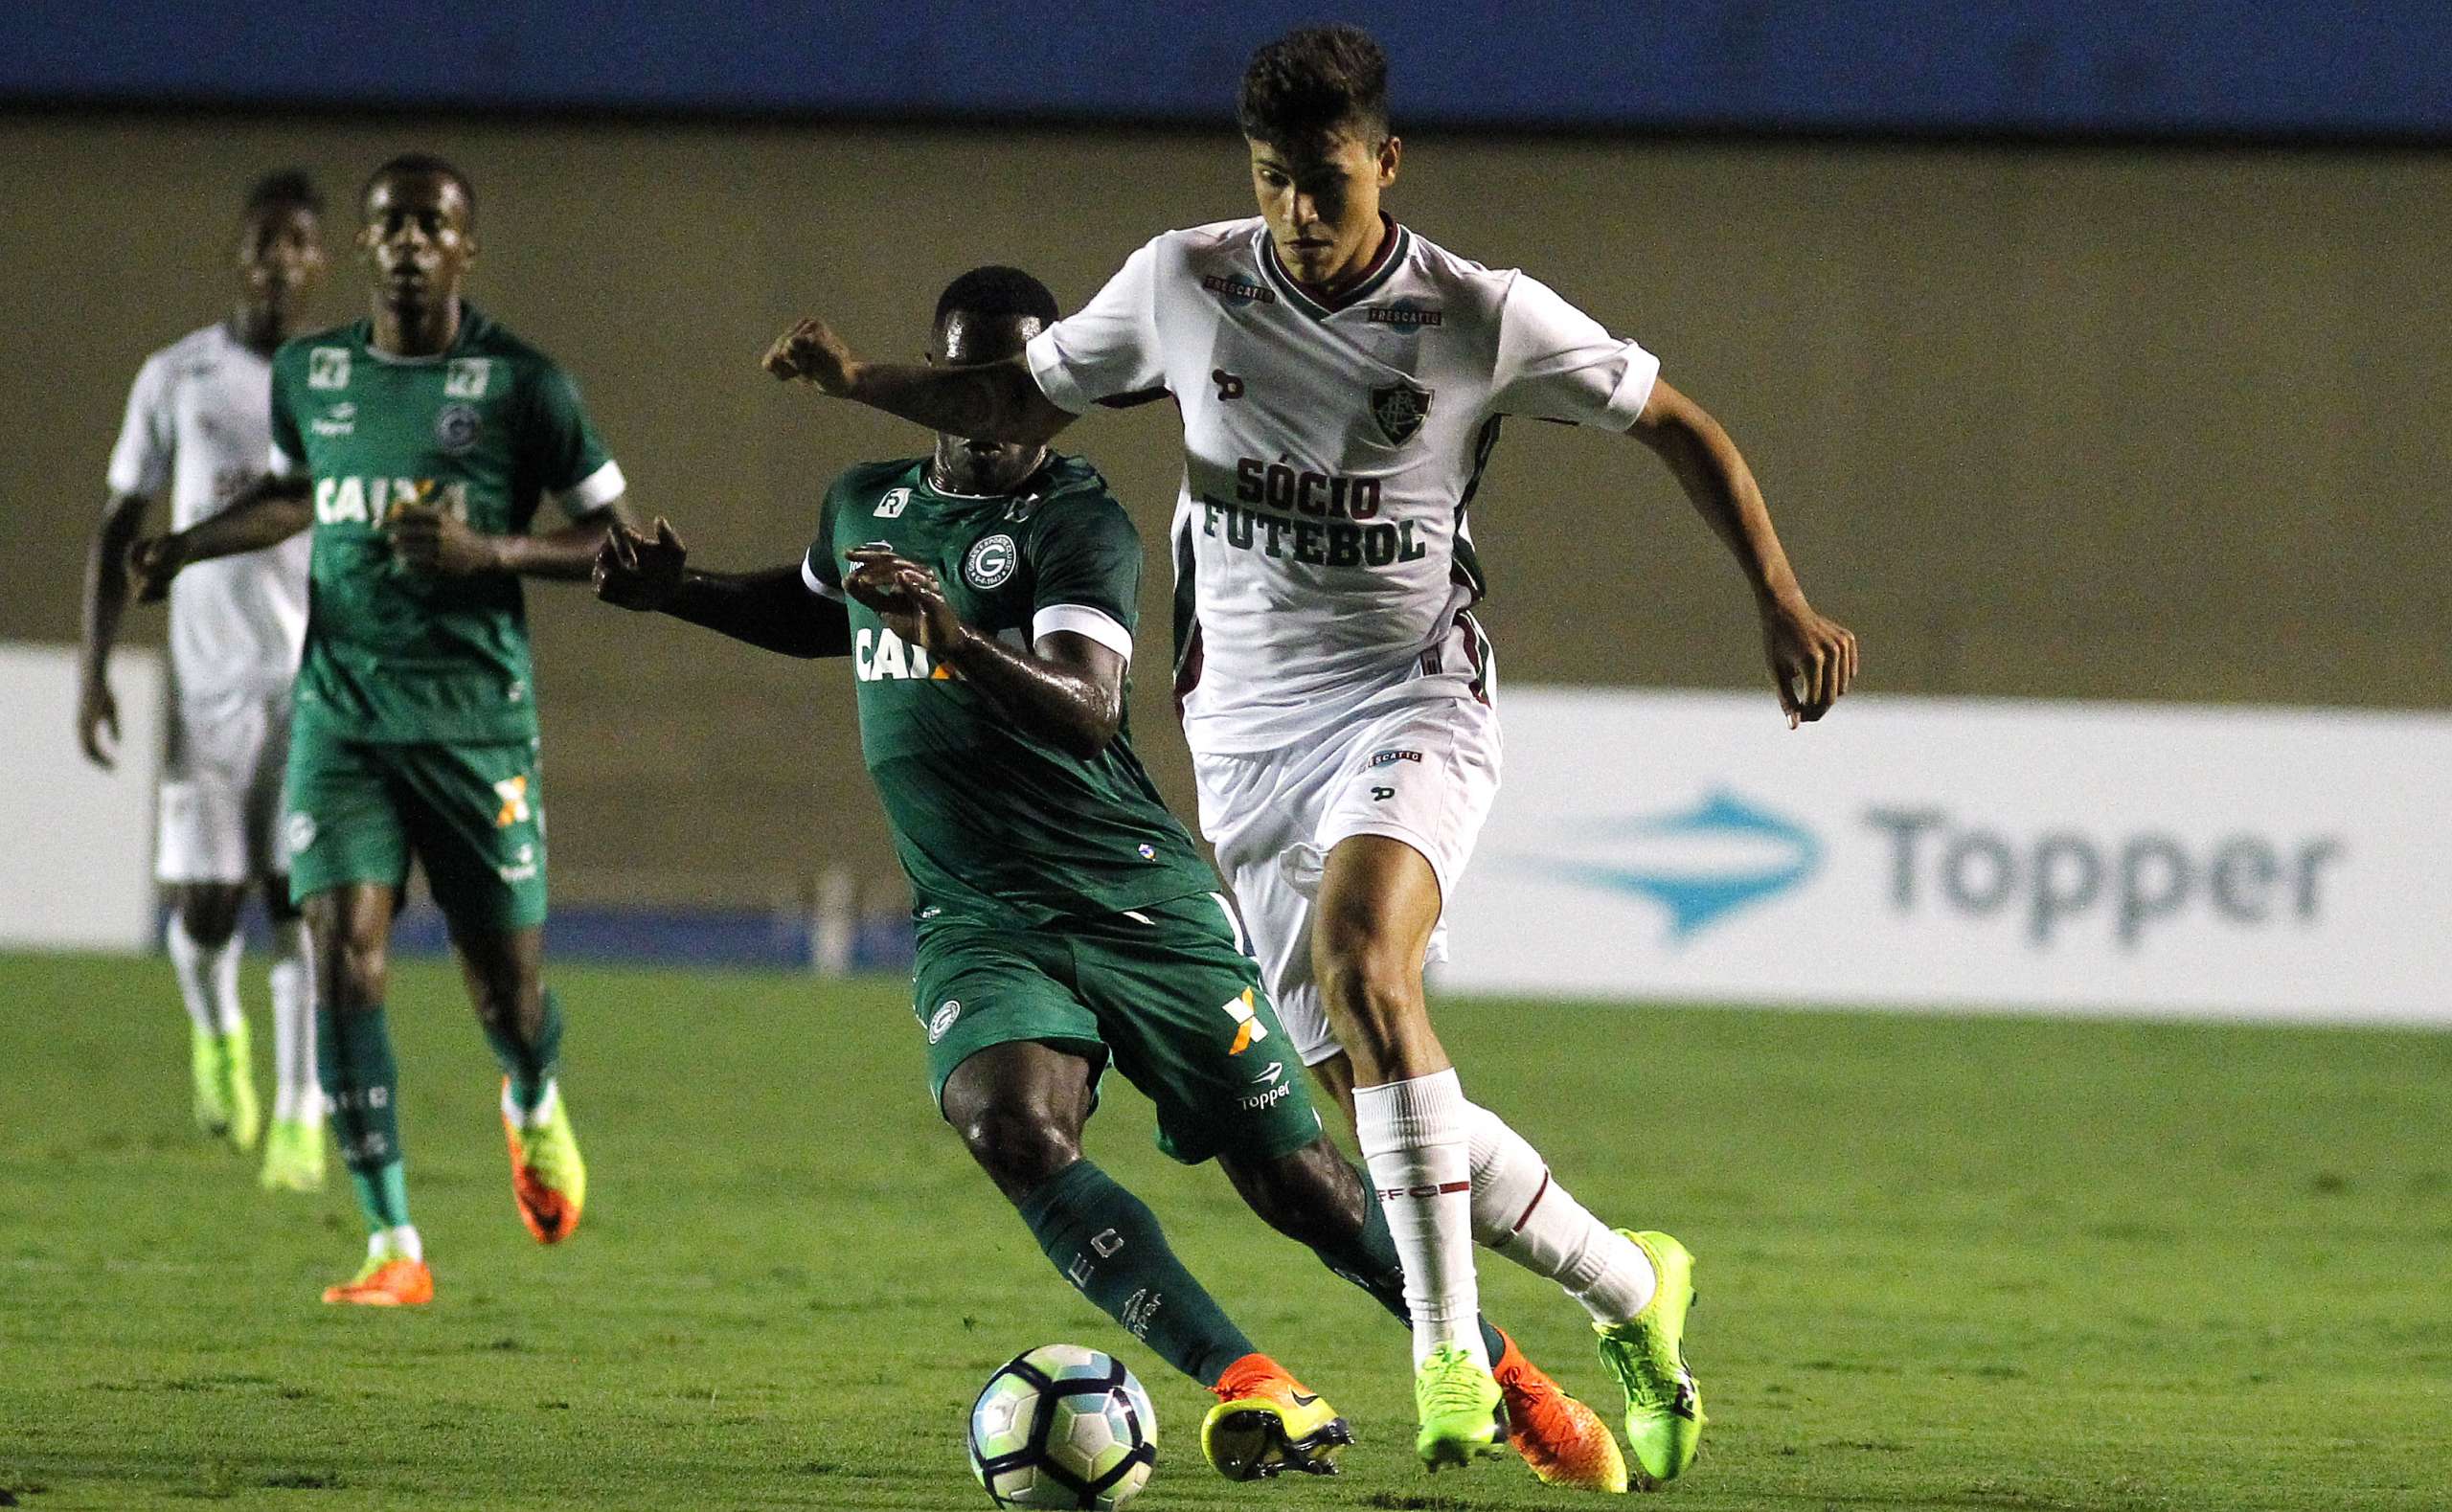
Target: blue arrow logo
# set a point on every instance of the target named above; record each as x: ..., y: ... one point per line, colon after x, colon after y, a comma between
x: 1702, y: 864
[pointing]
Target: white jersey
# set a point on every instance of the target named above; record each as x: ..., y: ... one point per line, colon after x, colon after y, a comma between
x: 198, y: 428
x: 1330, y: 453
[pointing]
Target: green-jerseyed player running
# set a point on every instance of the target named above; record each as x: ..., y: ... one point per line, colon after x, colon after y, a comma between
x: 986, y: 596
x: 417, y: 445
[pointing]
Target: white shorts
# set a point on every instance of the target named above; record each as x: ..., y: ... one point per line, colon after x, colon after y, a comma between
x: 221, y: 789
x: 1419, y: 764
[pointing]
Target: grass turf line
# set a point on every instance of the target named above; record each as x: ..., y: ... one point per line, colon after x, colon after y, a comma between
x: 1944, y: 1263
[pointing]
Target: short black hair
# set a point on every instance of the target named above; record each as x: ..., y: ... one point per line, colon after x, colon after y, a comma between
x: 290, y: 188
x: 1312, y: 82
x: 420, y: 165
x: 996, y: 290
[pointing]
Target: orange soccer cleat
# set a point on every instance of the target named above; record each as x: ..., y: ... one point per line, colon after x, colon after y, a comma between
x: 548, y: 1179
x: 1566, y: 1443
x: 386, y: 1281
x: 1266, y: 1423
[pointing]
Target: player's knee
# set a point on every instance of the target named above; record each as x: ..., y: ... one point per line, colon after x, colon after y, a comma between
x: 209, y: 911
x: 354, y: 971
x: 1021, y: 1146
x: 1372, y: 989
x: 1311, y: 1195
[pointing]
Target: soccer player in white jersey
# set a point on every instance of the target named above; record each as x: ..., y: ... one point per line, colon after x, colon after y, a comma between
x: 1342, y: 381
x: 197, y: 428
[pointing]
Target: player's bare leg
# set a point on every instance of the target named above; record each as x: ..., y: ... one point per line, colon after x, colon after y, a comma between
x: 504, y: 970
x: 203, y: 943
x: 349, y: 933
x: 1519, y: 1209
x: 294, y: 1139
x: 1379, y: 903
x: 1020, y: 1107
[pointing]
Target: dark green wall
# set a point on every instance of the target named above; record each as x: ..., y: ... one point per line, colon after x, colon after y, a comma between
x: 2137, y: 426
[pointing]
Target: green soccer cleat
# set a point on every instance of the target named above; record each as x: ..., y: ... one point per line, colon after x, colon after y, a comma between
x: 224, y: 1073
x: 548, y: 1179
x: 294, y: 1156
x: 1463, y: 1413
x: 1648, y: 1355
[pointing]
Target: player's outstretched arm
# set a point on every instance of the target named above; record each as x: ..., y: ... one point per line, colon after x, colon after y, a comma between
x: 105, y: 604
x: 1067, y: 691
x: 995, y: 401
x: 265, y: 512
x: 1812, y: 658
x: 772, y: 610
x: 433, y: 540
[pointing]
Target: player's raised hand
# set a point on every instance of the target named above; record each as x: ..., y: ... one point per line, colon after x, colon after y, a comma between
x: 636, y: 571
x: 1813, y: 660
x: 97, y: 710
x: 431, y: 539
x: 813, y: 353
x: 905, y: 595
x: 152, y: 563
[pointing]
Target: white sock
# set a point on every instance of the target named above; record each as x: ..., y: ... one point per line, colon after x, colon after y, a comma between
x: 402, y: 1242
x: 1414, y: 1143
x: 208, y: 979
x: 535, y: 1117
x: 298, y: 1097
x: 1524, y: 1215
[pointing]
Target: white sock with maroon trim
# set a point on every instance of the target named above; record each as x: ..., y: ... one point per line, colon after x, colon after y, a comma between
x: 1524, y: 1215
x: 1415, y: 1146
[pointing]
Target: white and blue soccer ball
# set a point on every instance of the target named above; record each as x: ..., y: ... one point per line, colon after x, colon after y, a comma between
x: 1063, y: 1427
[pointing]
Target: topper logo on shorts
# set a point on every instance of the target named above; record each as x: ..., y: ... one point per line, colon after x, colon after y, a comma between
x: 991, y: 561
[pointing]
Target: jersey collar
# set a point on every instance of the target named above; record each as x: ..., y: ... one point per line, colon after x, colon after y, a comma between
x: 1393, y: 248
x: 470, y: 320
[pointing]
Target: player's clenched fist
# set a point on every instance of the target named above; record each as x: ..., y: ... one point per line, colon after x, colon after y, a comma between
x: 813, y: 353
x: 151, y: 564
x: 635, y: 572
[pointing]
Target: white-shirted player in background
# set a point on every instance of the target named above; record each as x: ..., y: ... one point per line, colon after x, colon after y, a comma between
x: 1341, y: 381
x: 197, y: 428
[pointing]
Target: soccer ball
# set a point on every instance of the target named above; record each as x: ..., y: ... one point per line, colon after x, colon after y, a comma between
x: 1063, y: 1427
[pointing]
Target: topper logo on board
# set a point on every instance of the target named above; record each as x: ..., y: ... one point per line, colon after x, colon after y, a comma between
x: 1701, y: 863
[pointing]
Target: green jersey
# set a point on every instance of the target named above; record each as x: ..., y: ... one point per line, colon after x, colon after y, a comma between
x: 993, y: 825
x: 487, y: 430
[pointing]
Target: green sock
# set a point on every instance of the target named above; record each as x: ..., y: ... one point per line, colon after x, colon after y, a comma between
x: 1368, y: 1260
x: 529, y: 1067
x: 362, y: 1084
x: 1109, y: 1245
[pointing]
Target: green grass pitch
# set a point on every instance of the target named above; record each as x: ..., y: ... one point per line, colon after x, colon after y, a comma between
x: 1955, y: 1264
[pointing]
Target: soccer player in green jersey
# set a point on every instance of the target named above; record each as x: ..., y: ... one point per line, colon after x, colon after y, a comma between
x: 416, y: 444
x: 986, y: 596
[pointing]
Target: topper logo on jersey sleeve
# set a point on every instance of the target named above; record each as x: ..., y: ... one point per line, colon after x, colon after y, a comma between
x: 991, y: 561
x: 327, y: 367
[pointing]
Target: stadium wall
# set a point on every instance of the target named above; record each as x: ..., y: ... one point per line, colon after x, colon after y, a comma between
x: 2156, y: 424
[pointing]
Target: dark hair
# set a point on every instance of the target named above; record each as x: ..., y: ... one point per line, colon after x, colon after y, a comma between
x: 290, y: 188
x: 1310, y: 83
x: 420, y: 165
x: 996, y: 290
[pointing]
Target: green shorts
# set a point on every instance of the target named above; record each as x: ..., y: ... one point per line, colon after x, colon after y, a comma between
x: 1162, y: 990
x: 473, y: 816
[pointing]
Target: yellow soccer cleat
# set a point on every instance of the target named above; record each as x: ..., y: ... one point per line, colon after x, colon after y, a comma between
x: 294, y: 1156
x: 1266, y: 1423
x: 548, y: 1179
x: 1648, y: 1355
x: 1462, y: 1411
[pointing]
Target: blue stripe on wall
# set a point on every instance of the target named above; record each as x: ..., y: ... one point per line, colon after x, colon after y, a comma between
x: 2190, y: 67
